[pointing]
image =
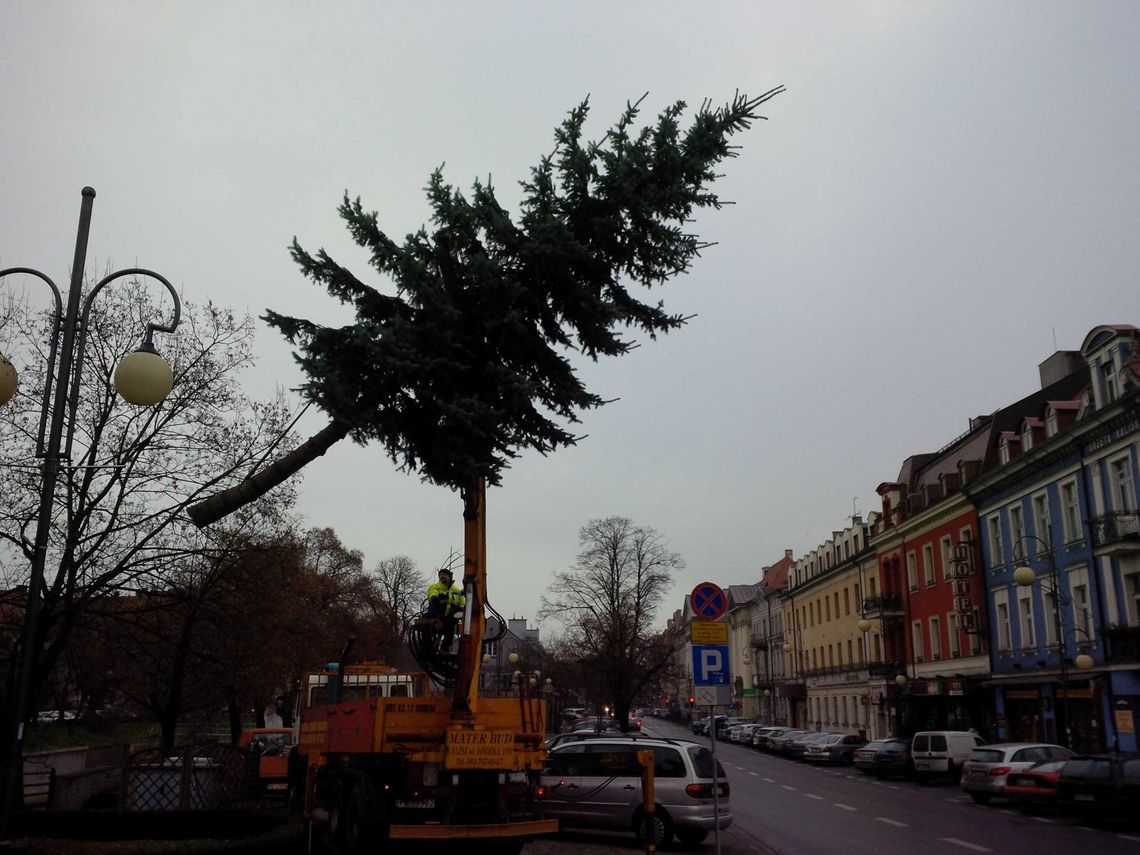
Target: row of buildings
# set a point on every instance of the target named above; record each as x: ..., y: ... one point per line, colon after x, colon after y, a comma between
x: 997, y: 587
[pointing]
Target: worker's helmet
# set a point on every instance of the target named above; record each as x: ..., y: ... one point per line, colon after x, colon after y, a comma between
x: 444, y: 571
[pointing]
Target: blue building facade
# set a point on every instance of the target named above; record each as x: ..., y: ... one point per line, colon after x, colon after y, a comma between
x: 1062, y: 502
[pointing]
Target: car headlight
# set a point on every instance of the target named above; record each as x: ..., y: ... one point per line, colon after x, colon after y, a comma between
x: 431, y: 774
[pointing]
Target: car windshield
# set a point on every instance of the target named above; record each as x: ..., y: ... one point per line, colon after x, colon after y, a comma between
x: 874, y: 746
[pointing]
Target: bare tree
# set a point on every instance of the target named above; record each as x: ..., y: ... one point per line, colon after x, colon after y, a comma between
x: 608, y: 601
x: 402, y: 586
x: 118, y: 519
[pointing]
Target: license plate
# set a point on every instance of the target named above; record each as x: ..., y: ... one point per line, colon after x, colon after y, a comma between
x: 1084, y: 797
x: 416, y: 804
x: 277, y: 786
x: 978, y: 774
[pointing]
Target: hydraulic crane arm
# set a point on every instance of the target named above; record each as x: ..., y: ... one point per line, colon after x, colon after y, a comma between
x: 466, y: 692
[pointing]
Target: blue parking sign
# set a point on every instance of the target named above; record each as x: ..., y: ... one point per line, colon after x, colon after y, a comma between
x: 710, y: 665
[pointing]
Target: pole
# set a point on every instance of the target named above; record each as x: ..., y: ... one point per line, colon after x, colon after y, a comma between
x: 716, y: 780
x: 30, y: 638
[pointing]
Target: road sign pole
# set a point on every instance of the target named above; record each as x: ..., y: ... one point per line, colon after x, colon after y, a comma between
x: 716, y: 781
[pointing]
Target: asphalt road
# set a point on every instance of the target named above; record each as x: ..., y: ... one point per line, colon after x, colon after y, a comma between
x: 791, y: 808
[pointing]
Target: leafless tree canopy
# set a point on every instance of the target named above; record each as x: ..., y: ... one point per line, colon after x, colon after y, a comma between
x: 402, y: 586
x: 118, y: 520
x: 608, y: 602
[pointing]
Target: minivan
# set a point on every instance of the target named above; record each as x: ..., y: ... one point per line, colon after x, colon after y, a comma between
x: 942, y: 752
x: 597, y: 784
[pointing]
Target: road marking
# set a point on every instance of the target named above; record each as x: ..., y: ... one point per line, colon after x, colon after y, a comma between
x: 845, y: 807
x: 954, y: 800
x: 893, y: 822
x: 975, y: 847
x: 812, y: 796
x: 893, y: 787
x: 786, y: 787
x: 1128, y: 837
x: 1044, y: 819
x: 754, y: 774
x: 1010, y: 812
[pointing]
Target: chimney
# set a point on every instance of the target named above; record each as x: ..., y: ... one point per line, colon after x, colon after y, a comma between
x: 788, y: 554
x: 1059, y: 366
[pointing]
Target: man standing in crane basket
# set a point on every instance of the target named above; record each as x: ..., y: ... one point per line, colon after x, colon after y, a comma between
x: 445, y: 603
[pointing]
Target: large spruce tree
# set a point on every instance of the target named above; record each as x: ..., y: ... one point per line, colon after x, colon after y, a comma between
x: 468, y: 359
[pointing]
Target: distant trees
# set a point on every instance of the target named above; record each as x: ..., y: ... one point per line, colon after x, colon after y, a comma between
x: 607, y: 603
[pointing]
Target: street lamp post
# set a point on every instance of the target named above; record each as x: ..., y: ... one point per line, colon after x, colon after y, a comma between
x: 1025, y: 576
x: 864, y: 626
x: 142, y: 378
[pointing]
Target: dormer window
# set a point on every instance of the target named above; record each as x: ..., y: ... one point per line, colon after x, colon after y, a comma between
x: 1108, y: 381
x: 1026, y: 436
x: 1003, y: 451
x: 1050, y: 422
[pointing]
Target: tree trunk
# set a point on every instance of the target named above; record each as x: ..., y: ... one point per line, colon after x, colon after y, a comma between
x: 233, y: 710
x: 223, y: 504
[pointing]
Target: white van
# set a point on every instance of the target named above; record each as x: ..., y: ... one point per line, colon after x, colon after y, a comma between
x: 942, y: 752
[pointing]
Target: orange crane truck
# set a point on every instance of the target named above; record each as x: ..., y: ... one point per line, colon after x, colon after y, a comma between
x: 379, y: 758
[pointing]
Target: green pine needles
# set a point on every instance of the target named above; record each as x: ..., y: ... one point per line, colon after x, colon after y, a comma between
x: 469, y: 362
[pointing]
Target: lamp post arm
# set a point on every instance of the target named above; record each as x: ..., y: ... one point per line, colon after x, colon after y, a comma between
x: 84, y: 324
x: 53, y: 350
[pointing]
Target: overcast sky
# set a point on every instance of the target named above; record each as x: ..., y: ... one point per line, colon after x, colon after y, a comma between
x: 944, y: 191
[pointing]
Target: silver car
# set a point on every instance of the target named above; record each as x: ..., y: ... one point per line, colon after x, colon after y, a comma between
x: 985, y: 771
x: 597, y: 784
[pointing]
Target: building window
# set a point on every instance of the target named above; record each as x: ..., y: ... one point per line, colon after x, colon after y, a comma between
x: 947, y: 557
x: 1041, y: 520
x: 935, y: 638
x: 1026, y: 436
x: 1108, y: 381
x: 916, y: 639
x: 997, y: 548
x: 846, y: 601
x: 1123, y: 489
x: 850, y: 652
x: 1051, y: 422
x: 1132, y: 598
x: 1025, y: 612
x: 928, y: 564
x: 976, y: 634
x: 1050, y: 618
x: 1071, y: 513
x: 1003, y: 452
x: 1082, y: 611
x: 827, y: 605
x: 911, y: 571
x: 952, y: 630
x: 1001, y: 613
x: 878, y: 649
x: 1016, y: 524
x: 871, y: 585
x: 491, y: 648
x: 836, y: 604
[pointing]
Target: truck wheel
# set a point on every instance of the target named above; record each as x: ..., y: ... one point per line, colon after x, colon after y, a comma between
x: 360, y: 830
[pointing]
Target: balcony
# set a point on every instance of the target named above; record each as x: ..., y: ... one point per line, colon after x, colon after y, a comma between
x: 884, y: 605
x: 1116, y: 532
x: 758, y: 642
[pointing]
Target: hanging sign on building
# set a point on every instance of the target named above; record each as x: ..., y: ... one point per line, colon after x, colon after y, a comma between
x: 962, y: 564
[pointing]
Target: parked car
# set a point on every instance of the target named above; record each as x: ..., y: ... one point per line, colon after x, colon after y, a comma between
x: 634, y: 723
x: 985, y: 771
x: 723, y: 727
x: 1101, y: 786
x: 776, y: 744
x: 762, y: 735
x: 699, y: 725
x: 885, y: 757
x: 597, y: 784
x: 837, y: 749
x: 742, y: 733
x: 1037, y: 785
x: 796, y: 747
x: 599, y: 725
x: 942, y: 752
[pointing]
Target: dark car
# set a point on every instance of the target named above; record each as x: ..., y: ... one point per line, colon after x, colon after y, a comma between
x: 837, y: 749
x: 1101, y: 786
x: 582, y: 735
x: 885, y: 757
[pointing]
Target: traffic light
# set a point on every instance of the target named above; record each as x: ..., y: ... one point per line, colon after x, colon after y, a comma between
x: 692, y: 700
